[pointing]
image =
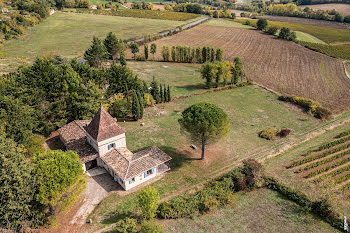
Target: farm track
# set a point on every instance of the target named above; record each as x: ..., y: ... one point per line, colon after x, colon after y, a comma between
x: 283, y: 66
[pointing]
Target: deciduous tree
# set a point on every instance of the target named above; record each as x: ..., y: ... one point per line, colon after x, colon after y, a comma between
x: 148, y: 200
x: 134, y: 49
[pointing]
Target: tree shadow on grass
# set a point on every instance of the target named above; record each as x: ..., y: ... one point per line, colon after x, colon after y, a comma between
x: 193, y: 87
x: 115, y: 216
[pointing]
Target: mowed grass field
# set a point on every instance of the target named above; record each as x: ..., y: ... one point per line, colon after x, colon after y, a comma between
x: 250, y: 109
x: 261, y: 211
x: 184, y: 79
x: 70, y: 34
x: 283, y: 66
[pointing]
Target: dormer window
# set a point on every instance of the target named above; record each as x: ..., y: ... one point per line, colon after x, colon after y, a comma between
x: 112, y: 145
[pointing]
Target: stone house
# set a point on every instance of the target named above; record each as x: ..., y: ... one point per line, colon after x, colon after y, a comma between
x: 101, y: 142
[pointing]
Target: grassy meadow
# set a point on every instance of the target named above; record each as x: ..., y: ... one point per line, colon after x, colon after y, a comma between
x: 250, y: 109
x: 328, y: 35
x: 70, y: 34
x: 261, y: 210
x: 184, y: 79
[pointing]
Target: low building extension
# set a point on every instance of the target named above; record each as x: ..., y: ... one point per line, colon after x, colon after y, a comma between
x: 101, y: 142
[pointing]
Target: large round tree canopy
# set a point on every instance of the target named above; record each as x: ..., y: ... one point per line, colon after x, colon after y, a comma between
x: 205, y: 121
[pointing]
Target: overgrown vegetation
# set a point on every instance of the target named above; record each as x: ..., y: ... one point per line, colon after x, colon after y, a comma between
x: 272, y: 134
x: 310, y: 106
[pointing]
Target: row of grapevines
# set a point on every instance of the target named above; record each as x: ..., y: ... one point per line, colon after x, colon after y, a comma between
x: 345, y: 187
x: 343, y: 134
x: 331, y: 174
x: 327, y: 168
x: 322, y: 155
x: 342, y: 179
x: 333, y: 143
x: 321, y: 162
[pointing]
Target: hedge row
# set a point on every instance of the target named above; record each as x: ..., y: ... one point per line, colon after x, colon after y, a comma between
x: 310, y: 106
x: 327, y: 168
x: 343, y: 134
x: 342, y: 179
x: 322, y: 155
x: 318, y: 163
x: 321, y: 208
x: 331, y: 174
x: 333, y: 143
x: 345, y: 187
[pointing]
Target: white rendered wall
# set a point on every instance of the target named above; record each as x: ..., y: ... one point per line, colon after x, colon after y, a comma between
x: 119, y: 140
x: 139, y: 179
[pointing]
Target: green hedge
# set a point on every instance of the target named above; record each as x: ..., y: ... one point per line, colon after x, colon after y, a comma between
x: 327, y: 168
x: 322, y: 155
x: 321, y: 162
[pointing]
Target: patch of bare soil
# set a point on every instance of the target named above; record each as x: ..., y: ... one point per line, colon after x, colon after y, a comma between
x: 343, y: 9
x: 283, y: 66
x: 211, y: 155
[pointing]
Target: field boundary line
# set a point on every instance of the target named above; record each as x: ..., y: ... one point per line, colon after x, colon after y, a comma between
x: 345, y: 70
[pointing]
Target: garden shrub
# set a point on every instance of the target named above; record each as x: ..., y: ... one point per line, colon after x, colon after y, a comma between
x: 151, y: 227
x: 127, y: 225
x: 269, y: 134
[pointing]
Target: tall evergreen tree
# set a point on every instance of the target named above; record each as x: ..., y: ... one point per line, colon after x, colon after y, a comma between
x: 145, y: 87
x: 122, y: 59
x: 111, y: 44
x: 153, y: 49
x: 155, y: 90
x: 135, y: 106
x: 161, y: 93
x: 141, y: 103
x: 145, y: 46
x: 134, y: 49
x: 17, y: 187
x: 97, y: 53
x: 168, y: 94
x: 164, y: 94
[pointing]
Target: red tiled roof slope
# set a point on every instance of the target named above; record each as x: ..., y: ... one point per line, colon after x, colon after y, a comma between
x: 103, y: 126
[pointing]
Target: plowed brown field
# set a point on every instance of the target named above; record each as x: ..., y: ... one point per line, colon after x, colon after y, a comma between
x: 283, y: 66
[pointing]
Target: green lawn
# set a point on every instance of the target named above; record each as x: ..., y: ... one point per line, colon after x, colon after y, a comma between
x: 328, y: 35
x: 250, y: 109
x: 183, y: 79
x: 302, y: 36
x: 70, y: 34
x: 257, y: 211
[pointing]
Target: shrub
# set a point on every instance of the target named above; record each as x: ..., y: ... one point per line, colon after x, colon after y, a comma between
x: 252, y: 171
x: 287, y: 34
x: 127, y: 225
x: 148, y: 202
x: 347, y: 19
x: 261, y: 24
x: 272, y: 30
x: 268, y: 134
x: 151, y: 227
x: 284, y: 132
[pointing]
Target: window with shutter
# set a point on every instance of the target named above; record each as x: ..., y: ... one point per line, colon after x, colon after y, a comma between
x: 145, y: 173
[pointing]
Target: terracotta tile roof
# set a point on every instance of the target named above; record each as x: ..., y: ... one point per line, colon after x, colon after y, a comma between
x: 73, y: 131
x: 140, y: 162
x: 82, y: 147
x: 115, y: 160
x: 103, y: 126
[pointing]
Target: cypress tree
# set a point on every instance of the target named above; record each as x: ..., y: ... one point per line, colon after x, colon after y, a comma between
x: 168, y: 94
x: 141, y: 104
x: 146, y: 51
x: 122, y: 59
x: 164, y: 94
x: 161, y: 93
x: 145, y: 87
x: 212, y: 54
x: 135, y: 107
x: 155, y: 90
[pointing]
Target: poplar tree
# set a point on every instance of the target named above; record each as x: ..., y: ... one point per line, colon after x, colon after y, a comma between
x: 219, y: 55
x: 173, y: 53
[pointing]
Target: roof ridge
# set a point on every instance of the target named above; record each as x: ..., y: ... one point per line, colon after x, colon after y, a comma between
x: 127, y: 170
